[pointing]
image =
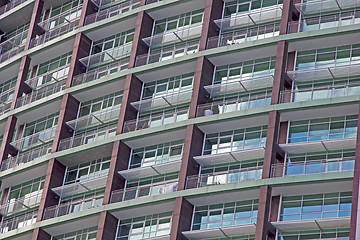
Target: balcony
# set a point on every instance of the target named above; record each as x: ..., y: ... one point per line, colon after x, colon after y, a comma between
x: 312, y: 146
x: 219, y: 178
x: 100, y: 72
x: 23, y: 203
x: 313, y: 224
x: 330, y: 91
x: 221, y: 232
x: 144, y: 191
x: 90, y: 136
x: 107, y: 10
x: 343, y: 69
x: 85, y: 185
x: 72, y: 206
x: 6, y: 96
x: 235, y: 156
x: 168, y: 53
x: 180, y: 34
x: 333, y: 20
x: 37, y: 138
x: 13, y: 46
x: 312, y: 7
x: 57, y: 25
x: 233, y: 105
x: 166, y: 99
x: 110, y: 55
x: 155, y: 120
x: 242, y: 83
x: 253, y: 17
x: 11, y: 5
x: 95, y: 119
x: 4, y: 108
x: 248, y: 34
x: 18, y: 221
x: 147, y: 171
x: 49, y: 78
x: 40, y: 93
x: 312, y: 167
x: 25, y: 157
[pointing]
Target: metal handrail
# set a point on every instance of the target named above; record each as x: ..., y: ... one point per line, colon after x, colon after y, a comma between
x: 143, y: 191
x: 204, y: 180
x: 143, y: 123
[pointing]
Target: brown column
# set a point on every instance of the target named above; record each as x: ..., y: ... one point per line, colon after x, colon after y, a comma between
x: 6, y: 148
x: 121, y: 152
x: 143, y: 29
x: 87, y: 9
x: 213, y: 11
x: 355, y: 221
x: 203, y: 77
x: 181, y: 220
x: 42, y: 234
x: 35, y: 18
x: 107, y: 226
x: 81, y: 49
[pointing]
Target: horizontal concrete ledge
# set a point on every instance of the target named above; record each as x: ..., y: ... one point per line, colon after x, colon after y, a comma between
x: 190, y: 193
x: 286, y: 107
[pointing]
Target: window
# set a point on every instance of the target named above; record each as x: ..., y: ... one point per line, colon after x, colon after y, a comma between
x: 235, y: 140
x: 86, y: 171
x: 100, y: 103
x: 316, y: 206
x: 84, y: 234
x: 145, y: 227
x: 323, y: 129
x: 156, y: 154
x: 7, y: 90
x: 225, y: 214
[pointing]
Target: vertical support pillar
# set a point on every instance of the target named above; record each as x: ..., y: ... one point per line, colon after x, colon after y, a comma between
x: 121, y: 152
x: 181, y: 220
x: 355, y: 200
x: 264, y: 230
x: 194, y: 136
x: 213, y: 11
x: 107, y: 226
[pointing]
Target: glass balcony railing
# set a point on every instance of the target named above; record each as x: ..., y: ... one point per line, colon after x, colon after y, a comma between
x: 40, y: 93
x: 155, y: 120
x: 253, y: 17
x: 168, y: 53
x: 165, y: 99
x: 325, y: 21
x: 311, y: 167
x: 54, y: 33
x: 90, y: 136
x: 72, y: 206
x: 4, y: 108
x: 95, y: 118
x: 143, y: 191
x: 318, y: 6
x: 330, y: 71
x: 248, y: 34
x: 40, y: 137
x: 13, y: 46
x: 61, y: 19
x: 233, y: 105
x: 231, y: 176
x: 314, y: 93
x: 180, y: 34
x: 6, y: 96
x: 113, y: 54
x: 49, y: 78
x: 11, y: 5
x: 108, y: 10
x: 18, y: 221
x: 103, y: 71
x: 22, y: 203
x: 242, y: 83
x: 95, y: 181
x: 25, y: 157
